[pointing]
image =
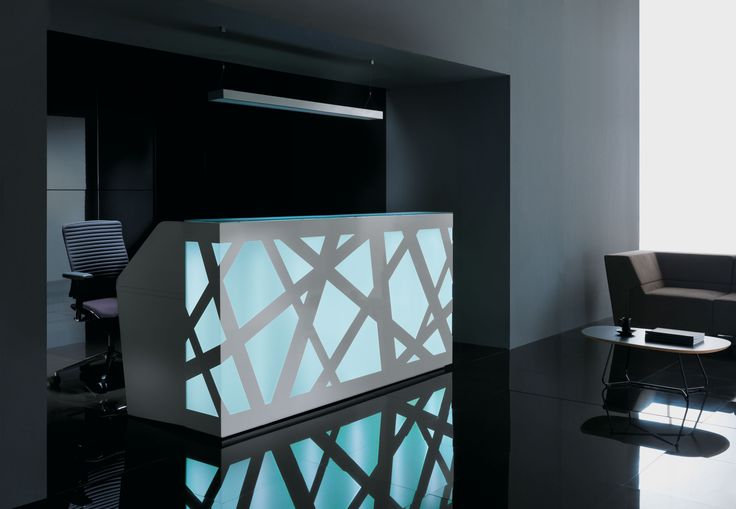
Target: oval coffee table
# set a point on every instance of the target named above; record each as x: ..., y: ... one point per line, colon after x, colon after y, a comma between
x: 609, y: 334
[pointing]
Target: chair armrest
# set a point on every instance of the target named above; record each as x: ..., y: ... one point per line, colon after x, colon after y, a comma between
x: 77, y: 276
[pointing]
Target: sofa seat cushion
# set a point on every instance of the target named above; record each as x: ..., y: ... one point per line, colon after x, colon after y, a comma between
x: 724, y: 314
x: 675, y: 308
x: 687, y: 293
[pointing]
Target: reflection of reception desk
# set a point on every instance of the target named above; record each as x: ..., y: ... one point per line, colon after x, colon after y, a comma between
x: 228, y: 325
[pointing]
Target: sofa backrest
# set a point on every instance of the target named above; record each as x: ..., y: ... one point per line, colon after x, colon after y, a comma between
x: 628, y: 273
x: 707, y: 272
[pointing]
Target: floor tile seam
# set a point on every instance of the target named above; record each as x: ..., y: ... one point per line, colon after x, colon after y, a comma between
x: 547, y: 396
x: 598, y: 405
x: 678, y: 497
x: 671, y: 496
x: 476, y: 359
x: 712, y: 460
x: 720, y: 426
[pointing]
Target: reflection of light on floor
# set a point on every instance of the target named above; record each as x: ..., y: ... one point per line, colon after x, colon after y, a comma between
x: 406, y: 452
x: 690, y: 481
x: 677, y: 481
x: 672, y: 414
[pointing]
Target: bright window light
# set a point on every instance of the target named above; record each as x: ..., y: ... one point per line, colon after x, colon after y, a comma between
x: 688, y: 125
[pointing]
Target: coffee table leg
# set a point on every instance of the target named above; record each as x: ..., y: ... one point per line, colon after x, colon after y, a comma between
x: 686, y: 395
x: 684, y: 391
x: 705, y: 390
x: 604, y: 391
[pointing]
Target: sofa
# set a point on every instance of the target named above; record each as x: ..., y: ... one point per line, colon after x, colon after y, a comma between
x: 694, y: 292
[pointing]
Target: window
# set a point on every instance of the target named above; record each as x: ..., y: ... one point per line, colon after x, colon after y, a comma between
x: 688, y: 125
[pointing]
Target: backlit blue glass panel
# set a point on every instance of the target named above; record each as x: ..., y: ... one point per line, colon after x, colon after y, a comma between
x: 408, y: 303
x: 220, y: 250
x: 209, y: 329
x: 408, y: 460
x: 227, y: 380
x: 252, y: 283
x: 229, y: 492
x: 310, y: 368
x: 399, y: 347
x: 433, y: 249
x: 363, y: 356
x: 400, y: 420
x: 295, y: 264
x: 344, y: 238
x: 437, y: 481
x: 189, y: 351
x: 334, y: 315
x: 337, y: 489
x: 357, y: 268
x: 435, y: 402
x: 195, y: 275
x: 445, y: 294
x: 268, y: 349
x: 315, y: 243
x: 361, y: 440
x: 307, y: 455
x: 198, y: 477
x: 270, y: 490
x: 434, y: 344
x: 392, y: 240
x: 446, y: 449
x: 198, y: 397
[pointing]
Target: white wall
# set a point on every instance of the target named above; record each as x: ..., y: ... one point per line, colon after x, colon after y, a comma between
x: 688, y: 126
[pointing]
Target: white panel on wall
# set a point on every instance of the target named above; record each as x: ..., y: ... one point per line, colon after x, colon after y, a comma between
x: 65, y: 153
x: 687, y: 128
x: 66, y: 184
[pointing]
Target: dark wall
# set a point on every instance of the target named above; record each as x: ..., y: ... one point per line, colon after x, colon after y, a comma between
x: 448, y: 149
x: 23, y: 252
x: 166, y: 153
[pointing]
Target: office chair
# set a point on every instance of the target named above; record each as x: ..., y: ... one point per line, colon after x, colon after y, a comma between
x: 97, y: 255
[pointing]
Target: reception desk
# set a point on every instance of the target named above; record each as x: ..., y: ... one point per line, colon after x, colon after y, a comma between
x: 231, y: 324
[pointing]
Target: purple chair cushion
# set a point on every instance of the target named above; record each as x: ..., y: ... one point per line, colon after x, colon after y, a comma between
x: 103, y: 308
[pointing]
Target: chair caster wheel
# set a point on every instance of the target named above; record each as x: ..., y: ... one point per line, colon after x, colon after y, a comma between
x: 54, y: 381
x: 102, y: 385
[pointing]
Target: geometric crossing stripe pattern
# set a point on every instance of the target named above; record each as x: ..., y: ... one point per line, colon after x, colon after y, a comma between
x: 400, y: 456
x: 275, y: 319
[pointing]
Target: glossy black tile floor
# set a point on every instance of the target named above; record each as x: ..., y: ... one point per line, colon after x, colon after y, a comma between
x: 524, y: 428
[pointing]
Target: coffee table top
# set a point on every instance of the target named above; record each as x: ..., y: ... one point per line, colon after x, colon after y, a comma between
x: 608, y: 334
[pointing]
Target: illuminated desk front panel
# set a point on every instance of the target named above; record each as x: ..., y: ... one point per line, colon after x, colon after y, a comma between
x: 232, y: 324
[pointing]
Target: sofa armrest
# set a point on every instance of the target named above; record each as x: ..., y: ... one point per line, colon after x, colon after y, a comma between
x: 628, y: 272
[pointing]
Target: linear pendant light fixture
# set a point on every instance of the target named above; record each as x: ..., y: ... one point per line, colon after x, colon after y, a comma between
x: 285, y: 103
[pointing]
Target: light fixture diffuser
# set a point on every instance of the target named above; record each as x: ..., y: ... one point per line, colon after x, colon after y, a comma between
x: 286, y: 103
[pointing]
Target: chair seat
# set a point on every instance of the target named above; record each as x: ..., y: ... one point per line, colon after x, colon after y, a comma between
x: 103, y: 308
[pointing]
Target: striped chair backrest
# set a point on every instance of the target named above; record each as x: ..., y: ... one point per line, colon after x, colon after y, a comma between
x: 96, y: 247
